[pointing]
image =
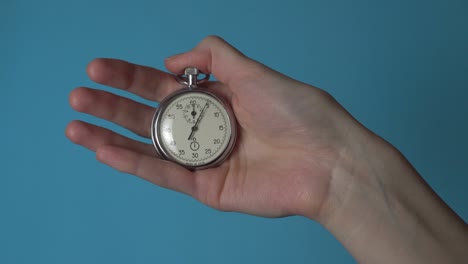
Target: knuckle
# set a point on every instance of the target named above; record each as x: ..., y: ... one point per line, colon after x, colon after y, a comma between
x: 131, y: 77
x: 213, y: 40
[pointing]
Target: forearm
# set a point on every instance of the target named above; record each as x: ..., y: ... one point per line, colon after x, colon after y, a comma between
x: 382, y: 211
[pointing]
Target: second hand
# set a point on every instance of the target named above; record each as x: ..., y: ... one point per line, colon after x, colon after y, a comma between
x: 195, y: 127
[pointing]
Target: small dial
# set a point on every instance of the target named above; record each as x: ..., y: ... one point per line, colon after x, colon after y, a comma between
x: 194, y: 128
x: 192, y: 112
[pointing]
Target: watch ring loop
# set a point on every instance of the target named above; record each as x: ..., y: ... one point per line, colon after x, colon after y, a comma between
x: 184, y: 79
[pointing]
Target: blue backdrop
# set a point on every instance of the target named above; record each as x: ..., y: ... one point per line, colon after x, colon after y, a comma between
x: 400, y: 67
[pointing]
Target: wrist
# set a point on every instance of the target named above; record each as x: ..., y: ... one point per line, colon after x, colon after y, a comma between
x: 355, y: 178
x: 383, y: 211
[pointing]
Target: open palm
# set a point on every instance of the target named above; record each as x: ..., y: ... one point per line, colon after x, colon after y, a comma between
x: 288, y: 139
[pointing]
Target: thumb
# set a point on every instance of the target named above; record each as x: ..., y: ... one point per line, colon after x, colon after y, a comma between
x: 214, y: 55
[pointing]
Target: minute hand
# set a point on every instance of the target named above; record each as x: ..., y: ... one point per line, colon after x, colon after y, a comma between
x: 195, y: 127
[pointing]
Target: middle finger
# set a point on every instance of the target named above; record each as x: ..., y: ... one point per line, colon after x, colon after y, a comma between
x: 125, y: 112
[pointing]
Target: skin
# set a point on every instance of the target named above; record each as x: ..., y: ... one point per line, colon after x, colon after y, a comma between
x: 298, y: 153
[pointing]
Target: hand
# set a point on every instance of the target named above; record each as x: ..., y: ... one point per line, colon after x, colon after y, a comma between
x: 281, y: 166
x: 194, y: 113
x: 195, y: 127
x: 311, y: 159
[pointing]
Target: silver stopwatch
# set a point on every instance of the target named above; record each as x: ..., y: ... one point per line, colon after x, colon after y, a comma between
x: 193, y: 126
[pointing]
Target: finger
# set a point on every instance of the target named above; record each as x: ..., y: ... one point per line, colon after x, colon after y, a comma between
x: 92, y: 137
x: 216, y: 56
x: 144, y: 81
x: 117, y: 109
x: 160, y: 172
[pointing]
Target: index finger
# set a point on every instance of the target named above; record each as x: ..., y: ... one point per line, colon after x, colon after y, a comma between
x: 216, y: 56
x: 144, y: 81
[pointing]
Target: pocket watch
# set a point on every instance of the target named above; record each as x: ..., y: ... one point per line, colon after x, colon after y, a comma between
x: 194, y: 127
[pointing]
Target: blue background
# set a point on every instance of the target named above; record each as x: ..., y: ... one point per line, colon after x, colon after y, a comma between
x: 400, y: 67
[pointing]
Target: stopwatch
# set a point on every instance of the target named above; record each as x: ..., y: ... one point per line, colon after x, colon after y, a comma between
x: 193, y: 126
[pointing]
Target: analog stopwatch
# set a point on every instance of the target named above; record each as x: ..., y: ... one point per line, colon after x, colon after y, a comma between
x: 193, y: 126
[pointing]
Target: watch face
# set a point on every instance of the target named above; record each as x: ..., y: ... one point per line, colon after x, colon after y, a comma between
x: 193, y: 128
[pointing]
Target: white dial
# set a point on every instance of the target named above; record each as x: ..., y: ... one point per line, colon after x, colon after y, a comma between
x: 194, y: 129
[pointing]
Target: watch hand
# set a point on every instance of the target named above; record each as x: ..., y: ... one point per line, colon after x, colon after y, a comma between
x: 194, y: 113
x: 195, y: 127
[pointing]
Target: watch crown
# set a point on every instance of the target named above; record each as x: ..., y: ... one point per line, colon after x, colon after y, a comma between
x: 191, y: 71
x: 190, y: 77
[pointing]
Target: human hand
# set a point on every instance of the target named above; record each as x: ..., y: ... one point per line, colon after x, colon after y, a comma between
x: 290, y: 133
x: 298, y: 153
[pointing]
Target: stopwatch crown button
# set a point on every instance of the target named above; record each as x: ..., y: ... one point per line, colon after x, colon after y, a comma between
x: 191, y: 71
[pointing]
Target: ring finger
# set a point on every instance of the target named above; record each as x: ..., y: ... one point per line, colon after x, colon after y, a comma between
x: 92, y: 137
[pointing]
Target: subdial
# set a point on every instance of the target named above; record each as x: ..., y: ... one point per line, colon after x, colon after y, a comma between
x: 192, y: 112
